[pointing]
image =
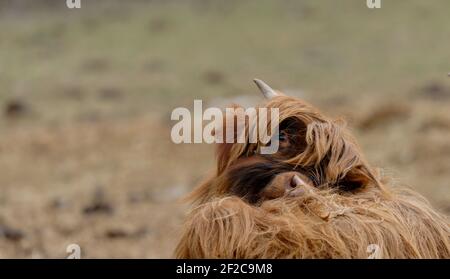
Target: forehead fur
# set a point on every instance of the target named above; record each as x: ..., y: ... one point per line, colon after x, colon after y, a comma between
x: 329, y: 145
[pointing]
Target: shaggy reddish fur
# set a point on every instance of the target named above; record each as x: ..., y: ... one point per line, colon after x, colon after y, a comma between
x: 347, y: 207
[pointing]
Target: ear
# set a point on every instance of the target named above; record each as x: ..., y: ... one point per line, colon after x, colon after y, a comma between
x: 224, y: 150
x: 357, y: 178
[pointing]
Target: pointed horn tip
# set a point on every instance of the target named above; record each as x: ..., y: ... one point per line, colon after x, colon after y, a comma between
x: 262, y: 85
x: 267, y: 91
x: 258, y: 82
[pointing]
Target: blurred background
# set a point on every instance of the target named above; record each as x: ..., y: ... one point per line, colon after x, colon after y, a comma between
x: 86, y: 97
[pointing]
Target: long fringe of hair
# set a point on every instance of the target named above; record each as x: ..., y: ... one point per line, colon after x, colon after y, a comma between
x: 324, y: 222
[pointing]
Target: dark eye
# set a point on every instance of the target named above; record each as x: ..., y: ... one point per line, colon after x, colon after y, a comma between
x: 283, y: 139
x: 283, y: 136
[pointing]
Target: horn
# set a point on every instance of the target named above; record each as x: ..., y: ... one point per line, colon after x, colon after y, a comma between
x: 268, y: 92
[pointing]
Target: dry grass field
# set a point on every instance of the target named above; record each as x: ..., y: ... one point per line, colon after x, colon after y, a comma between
x: 86, y: 97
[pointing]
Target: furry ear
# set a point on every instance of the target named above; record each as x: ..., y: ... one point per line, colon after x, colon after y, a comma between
x: 224, y: 150
x: 357, y: 178
x: 223, y: 156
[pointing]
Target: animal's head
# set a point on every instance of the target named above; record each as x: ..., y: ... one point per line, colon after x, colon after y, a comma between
x: 314, y: 151
x: 315, y: 198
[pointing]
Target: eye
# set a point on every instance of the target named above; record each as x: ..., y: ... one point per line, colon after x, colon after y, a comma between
x: 283, y: 139
x: 283, y: 136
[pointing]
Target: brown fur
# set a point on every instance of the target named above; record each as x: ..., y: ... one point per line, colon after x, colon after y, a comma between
x: 349, y: 207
